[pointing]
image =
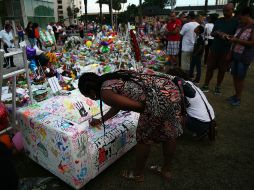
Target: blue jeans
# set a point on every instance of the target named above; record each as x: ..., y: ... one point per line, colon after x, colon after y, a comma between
x: 238, y: 67
x: 195, y: 61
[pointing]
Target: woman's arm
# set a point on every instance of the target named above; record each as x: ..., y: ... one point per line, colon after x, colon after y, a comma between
x: 244, y: 42
x: 111, y: 113
x: 121, y: 102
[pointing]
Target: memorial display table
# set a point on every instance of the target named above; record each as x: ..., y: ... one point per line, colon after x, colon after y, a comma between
x: 57, y: 135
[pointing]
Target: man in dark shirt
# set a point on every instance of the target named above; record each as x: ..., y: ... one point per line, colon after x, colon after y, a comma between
x: 197, y: 53
x: 219, y: 54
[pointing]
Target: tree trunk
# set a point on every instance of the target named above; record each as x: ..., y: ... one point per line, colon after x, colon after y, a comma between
x: 110, y: 12
x: 85, y: 2
x: 140, y: 12
x: 100, y: 4
x: 205, y: 8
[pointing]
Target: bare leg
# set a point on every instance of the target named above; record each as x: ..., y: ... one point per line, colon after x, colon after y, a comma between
x: 208, y: 76
x: 168, y: 152
x: 220, y: 77
x: 142, y: 153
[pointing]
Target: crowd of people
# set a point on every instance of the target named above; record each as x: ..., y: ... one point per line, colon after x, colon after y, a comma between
x: 219, y: 43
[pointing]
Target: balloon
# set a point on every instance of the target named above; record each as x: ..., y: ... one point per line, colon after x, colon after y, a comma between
x: 89, y: 43
x: 30, y: 52
x: 105, y: 49
x: 33, y: 66
x: 107, y: 69
x: 17, y: 141
x: 104, y: 43
x: 110, y: 41
x: 90, y: 38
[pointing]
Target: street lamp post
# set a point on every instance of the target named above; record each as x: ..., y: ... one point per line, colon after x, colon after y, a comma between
x: 140, y: 12
x: 111, y: 13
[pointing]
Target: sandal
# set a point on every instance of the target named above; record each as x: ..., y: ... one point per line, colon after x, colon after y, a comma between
x: 130, y: 176
x: 158, y: 170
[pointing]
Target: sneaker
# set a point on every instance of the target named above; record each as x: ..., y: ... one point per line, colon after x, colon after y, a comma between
x: 235, y: 102
x: 205, y: 88
x: 217, y: 90
x: 195, y: 81
x: 231, y: 98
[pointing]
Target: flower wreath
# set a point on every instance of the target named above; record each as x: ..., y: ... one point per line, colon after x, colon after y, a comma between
x: 135, y: 46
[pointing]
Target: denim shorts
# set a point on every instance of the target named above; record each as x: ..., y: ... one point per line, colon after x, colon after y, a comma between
x: 238, y: 68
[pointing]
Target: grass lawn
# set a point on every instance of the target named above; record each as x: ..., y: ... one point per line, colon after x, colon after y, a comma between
x: 227, y: 163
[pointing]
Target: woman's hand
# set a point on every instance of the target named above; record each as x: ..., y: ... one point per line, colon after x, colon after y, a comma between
x: 95, y: 122
x: 232, y: 39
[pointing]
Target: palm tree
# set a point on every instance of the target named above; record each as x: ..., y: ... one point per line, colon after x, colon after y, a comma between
x: 100, y: 4
x: 115, y: 3
x: 85, y: 3
x: 140, y: 12
x: 205, y: 8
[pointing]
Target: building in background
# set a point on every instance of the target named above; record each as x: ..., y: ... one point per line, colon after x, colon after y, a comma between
x: 39, y: 11
x: 222, y: 2
x: 23, y: 11
x: 68, y: 16
x: 10, y: 11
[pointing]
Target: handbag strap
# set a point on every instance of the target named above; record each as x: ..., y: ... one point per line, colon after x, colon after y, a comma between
x: 207, y: 109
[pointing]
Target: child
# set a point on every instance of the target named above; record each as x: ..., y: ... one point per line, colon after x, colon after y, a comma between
x: 197, y: 54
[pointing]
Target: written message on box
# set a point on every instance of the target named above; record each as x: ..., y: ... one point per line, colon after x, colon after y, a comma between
x: 62, y: 141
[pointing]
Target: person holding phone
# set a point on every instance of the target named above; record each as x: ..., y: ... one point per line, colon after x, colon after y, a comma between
x: 219, y: 55
x: 242, y: 53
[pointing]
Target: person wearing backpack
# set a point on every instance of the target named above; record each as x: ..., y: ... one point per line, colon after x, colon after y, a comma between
x: 200, y: 116
x: 242, y: 51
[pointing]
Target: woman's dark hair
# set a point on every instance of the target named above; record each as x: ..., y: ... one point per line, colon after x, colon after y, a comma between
x: 92, y: 81
x: 247, y: 11
x: 27, y: 26
x: 35, y: 25
x: 178, y: 73
x: 201, y: 29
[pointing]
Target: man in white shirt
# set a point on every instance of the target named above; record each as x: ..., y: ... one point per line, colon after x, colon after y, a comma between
x: 208, y: 37
x: 188, y: 41
x: 8, y: 42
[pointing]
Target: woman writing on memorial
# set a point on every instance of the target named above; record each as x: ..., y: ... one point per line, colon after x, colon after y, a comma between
x: 158, y: 101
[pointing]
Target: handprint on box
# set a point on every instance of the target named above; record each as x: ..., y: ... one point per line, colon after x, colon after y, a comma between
x: 81, y: 109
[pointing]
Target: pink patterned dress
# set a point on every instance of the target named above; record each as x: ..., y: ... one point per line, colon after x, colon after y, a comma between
x: 162, y: 117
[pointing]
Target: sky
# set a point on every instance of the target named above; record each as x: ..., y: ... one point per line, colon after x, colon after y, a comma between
x: 93, y: 7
